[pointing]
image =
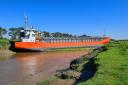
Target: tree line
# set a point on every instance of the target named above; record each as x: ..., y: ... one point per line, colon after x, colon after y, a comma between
x: 14, y: 33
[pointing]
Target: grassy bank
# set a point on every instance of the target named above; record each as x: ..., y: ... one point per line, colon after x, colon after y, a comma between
x: 4, y: 43
x: 4, y: 52
x: 106, y: 66
x: 113, y: 66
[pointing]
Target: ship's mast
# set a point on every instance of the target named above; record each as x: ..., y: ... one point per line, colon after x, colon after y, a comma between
x: 25, y: 22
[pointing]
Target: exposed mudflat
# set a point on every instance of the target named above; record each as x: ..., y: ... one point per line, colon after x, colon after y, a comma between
x: 5, y: 54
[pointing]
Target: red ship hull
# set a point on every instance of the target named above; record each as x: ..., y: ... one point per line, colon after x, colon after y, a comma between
x: 40, y: 46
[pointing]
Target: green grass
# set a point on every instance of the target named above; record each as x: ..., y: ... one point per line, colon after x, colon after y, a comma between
x: 113, y: 66
x: 49, y: 81
x: 55, y: 81
x: 4, y: 43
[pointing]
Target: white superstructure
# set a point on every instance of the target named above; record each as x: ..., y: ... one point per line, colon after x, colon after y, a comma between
x: 29, y: 36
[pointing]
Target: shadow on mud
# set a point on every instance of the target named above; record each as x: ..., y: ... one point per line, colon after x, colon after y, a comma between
x: 88, y: 72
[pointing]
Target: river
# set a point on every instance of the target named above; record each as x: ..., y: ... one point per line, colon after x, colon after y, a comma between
x: 30, y: 68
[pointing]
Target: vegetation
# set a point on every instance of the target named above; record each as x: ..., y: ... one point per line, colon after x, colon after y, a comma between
x: 3, y: 31
x: 56, y: 34
x: 4, y: 52
x: 123, y: 46
x: 113, y: 66
x: 14, y: 33
x: 59, y: 34
x: 4, y: 43
x: 46, y: 34
x: 55, y: 81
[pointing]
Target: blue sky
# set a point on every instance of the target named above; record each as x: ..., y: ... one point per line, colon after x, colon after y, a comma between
x: 89, y: 17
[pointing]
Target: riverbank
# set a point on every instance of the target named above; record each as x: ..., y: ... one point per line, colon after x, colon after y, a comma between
x: 101, y: 67
x: 4, y: 43
x: 5, y: 54
x: 69, y: 75
x: 4, y: 51
x: 112, y: 66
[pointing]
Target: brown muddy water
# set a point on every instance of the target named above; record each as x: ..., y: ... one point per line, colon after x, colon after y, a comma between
x: 29, y: 68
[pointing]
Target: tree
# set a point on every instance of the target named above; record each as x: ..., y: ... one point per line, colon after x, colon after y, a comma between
x: 2, y: 32
x: 46, y: 34
x: 65, y: 35
x: 57, y: 34
x: 83, y: 36
x: 14, y: 32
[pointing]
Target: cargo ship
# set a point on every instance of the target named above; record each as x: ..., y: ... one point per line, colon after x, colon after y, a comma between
x: 33, y: 40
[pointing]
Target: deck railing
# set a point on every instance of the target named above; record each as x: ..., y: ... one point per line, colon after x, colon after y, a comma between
x: 60, y: 40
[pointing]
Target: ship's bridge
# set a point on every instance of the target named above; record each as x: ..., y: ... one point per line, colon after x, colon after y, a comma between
x: 29, y: 35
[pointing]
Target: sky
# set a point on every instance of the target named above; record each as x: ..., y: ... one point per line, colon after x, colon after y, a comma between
x: 77, y: 17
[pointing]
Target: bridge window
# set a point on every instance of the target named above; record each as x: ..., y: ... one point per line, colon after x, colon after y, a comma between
x: 33, y: 35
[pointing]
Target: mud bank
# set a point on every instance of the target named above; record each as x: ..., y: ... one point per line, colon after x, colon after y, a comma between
x: 4, y: 54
